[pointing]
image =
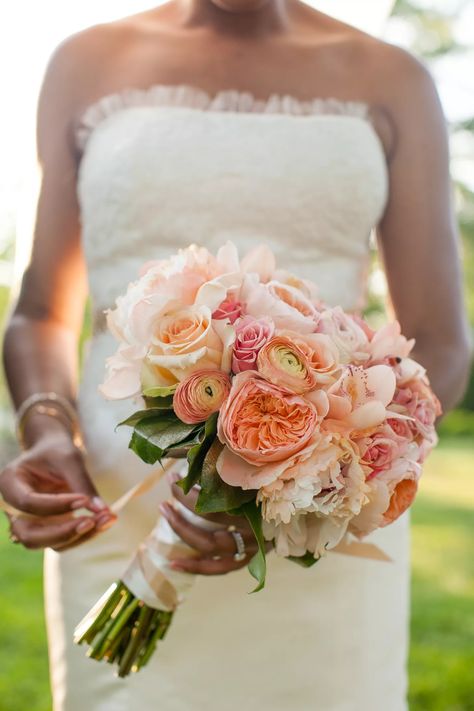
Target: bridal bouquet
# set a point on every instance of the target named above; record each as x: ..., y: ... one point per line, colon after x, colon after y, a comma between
x: 292, y: 413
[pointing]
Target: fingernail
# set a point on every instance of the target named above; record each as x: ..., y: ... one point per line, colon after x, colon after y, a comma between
x: 176, y: 565
x: 98, y: 503
x: 87, y: 525
x: 164, y: 508
x: 78, y: 503
x: 106, y: 521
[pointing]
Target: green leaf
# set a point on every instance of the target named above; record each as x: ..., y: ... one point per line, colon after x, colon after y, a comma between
x: 161, y: 403
x: 306, y: 561
x: 153, y: 436
x: 160, y: 391
x: 216, y: 496
x: 155, y: 411
x: 258, y: 565
x: 197, y: 454
x: 145, y: 450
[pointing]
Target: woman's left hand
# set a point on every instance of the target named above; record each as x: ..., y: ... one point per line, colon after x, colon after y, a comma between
x: 216, y: 548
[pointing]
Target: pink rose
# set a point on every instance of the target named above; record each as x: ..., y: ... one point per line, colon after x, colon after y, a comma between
x: 262, y: 423
x: 401, y: 427
x: 381, y: 449
x: 200, y: 395
x: 250, y: 335
x: 228, y: 309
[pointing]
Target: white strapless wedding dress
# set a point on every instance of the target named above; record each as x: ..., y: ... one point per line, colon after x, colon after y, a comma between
x: 161, y: 169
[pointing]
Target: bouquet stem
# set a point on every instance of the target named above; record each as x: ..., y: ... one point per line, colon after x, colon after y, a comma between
x: 122, y: 630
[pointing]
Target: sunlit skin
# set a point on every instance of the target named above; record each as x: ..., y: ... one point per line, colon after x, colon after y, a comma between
x: 265, y: 47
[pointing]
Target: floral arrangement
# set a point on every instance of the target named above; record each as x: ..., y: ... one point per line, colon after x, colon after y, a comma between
x: 290, y: 412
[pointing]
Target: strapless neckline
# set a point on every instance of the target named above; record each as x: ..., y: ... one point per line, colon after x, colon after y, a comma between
x: 234, y: 101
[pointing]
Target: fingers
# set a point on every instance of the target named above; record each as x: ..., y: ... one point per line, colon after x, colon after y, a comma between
x: 18, y: 491
x: 209, y: 543
x: 59, y: 533
x: 79, y: 481
x: 32, y: 534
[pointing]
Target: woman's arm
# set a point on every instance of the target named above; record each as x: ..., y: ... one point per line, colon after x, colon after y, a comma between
x: 41, y: 341
x: 418, y: 236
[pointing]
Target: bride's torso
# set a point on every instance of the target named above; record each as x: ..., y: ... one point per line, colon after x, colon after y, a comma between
x: 171, y: 166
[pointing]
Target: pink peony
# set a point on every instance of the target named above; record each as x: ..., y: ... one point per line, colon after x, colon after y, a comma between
x: 200, y: 395
x: 286, y: 305
x: 250, y: 335
x: 347, y: 335
x: 262, y: 423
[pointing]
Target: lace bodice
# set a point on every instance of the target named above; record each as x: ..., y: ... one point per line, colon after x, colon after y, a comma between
x: 169, y: 166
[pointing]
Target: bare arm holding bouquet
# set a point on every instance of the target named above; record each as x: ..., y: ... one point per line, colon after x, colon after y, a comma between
x: 48, y: 481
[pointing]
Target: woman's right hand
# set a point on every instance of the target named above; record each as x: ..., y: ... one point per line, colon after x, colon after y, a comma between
x: 49, y: 482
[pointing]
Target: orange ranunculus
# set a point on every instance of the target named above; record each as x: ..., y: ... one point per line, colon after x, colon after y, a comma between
x: 200, y: 395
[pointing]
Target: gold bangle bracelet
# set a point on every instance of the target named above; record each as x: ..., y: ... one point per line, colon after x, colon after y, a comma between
x: 50, y: 408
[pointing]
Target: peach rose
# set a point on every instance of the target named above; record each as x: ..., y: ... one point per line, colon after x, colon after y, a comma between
x: 251, y: 334
x: 200, y: 395
x: 262, y: 423
x: 184, y: 341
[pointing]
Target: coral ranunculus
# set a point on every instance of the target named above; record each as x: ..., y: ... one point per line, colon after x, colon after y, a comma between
x: 283, y: 363
x: 263, y: 423
x: 200, y: 395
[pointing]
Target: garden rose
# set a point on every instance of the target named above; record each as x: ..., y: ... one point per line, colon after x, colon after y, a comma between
x: 250, y: 335
x: 185, y: 341
x: 200, y: 395
x: 262, y: 423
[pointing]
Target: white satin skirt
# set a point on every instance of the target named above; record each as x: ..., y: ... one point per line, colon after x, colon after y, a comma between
x: 331, y: 638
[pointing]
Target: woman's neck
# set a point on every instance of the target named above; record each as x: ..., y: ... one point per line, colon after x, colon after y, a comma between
x: 240, y: 18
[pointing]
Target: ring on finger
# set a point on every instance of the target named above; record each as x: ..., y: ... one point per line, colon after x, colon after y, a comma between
x: 241, y: 553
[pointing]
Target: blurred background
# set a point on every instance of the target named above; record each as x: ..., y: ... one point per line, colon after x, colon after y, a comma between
x: 442, y: 650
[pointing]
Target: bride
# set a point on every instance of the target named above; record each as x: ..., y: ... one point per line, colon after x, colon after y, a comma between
x: 202, y: 121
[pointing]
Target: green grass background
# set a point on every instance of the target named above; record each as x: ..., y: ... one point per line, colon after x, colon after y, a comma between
x: 442, y: 651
